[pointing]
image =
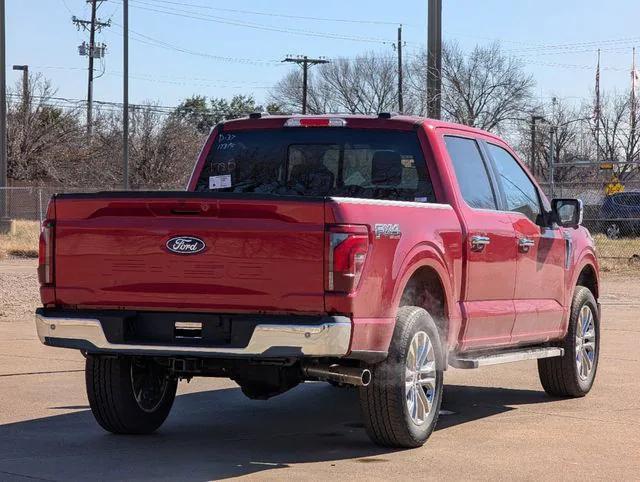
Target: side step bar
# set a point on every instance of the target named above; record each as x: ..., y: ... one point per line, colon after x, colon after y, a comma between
x: 476, y: 360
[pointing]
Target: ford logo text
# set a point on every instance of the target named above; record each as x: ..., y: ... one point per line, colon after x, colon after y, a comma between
x: 186, y: 245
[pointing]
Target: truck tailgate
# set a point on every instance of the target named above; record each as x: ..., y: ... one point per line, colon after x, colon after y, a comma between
x: 257, y: 255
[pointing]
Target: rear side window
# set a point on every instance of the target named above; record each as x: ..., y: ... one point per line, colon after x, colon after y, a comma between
x: 520, y: 192
x: 471, y: 172
x: 360, y: 163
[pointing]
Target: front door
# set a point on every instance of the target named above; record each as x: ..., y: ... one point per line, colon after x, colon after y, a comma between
x: 540, y: 268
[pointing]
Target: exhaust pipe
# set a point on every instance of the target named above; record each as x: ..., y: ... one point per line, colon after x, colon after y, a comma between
x: 360, y: 377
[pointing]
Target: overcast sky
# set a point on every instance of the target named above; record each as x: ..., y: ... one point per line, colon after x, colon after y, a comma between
x: 220, y: 48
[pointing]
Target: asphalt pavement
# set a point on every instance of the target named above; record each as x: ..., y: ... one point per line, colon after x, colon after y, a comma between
x: 497, y: 423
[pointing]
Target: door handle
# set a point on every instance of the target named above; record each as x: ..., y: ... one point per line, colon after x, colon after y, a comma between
x: 525, y: 244
x: 479, y: 242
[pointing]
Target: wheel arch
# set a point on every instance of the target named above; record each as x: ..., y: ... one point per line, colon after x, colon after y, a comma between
x: 588, y: 277
x: 427, y: 283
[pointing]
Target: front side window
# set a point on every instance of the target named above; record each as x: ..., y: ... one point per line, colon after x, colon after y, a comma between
x: 520, y: 192
x: 341, y: 162
x: 471, y: 172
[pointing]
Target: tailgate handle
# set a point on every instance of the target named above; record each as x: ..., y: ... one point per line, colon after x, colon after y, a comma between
x: 186, y: 212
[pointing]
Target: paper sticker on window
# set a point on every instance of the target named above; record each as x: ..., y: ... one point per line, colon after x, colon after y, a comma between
x: 220, y: 182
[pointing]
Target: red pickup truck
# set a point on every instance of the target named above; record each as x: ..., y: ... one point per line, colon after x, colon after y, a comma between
x: 358, y: 250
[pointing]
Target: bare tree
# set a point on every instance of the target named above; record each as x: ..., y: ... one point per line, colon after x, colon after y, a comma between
x: 364, y: 85
x: 617, y: 136
x: 40, y: 132
x: 485, y: 88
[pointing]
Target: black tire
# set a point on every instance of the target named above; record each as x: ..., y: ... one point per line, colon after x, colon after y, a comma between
x: 383, y: 402
x: 110, y: 389
x: 560, y: 376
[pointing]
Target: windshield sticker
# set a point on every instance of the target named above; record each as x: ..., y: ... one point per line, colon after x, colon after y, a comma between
x: 220, y: 182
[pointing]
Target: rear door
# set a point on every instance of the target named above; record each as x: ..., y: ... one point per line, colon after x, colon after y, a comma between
x: 490, y: 247
x: 540, y: 274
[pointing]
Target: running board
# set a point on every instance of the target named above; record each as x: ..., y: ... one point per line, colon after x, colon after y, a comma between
x: 476, y: 360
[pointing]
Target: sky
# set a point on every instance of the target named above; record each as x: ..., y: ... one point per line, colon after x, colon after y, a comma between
x: 221, y: 48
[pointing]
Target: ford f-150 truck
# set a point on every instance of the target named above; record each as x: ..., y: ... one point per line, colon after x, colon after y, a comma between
x: 372, y: 251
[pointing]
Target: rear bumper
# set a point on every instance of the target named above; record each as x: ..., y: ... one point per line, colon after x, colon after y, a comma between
x: 329, y: 338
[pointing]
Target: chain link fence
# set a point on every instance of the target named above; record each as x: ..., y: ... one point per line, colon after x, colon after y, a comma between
x: 611, y: 213
x: 30, y: 203
x: 613, y: 218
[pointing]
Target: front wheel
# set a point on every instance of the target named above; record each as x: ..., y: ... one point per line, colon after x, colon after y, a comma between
x: 573, y: 374
x: 400, y: 406
x: 129, y: 395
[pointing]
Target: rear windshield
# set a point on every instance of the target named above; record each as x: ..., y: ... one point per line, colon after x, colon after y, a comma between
x: 360, y: 163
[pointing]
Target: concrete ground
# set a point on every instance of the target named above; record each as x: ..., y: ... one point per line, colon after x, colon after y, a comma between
x: 502, y: 425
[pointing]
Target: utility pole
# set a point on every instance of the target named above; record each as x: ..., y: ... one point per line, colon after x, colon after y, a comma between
x: 25, y: 84
x: 305, y: 62
x: 434, y: 59
x: 25, y: 91
x: 400, y: 77
x: 534, y: 164
x: 5, y: 223
x: 125, y: 97
x: 93, y: 51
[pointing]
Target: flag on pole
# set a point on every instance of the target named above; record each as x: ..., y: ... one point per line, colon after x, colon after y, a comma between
x: 596, y: 109
x: 634, y: 78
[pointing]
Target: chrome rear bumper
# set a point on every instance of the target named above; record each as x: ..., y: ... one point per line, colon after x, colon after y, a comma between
x: 268, y: 340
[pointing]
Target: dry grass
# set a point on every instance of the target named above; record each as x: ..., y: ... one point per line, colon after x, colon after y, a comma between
x: 624, y: 248
x: 23, y: 240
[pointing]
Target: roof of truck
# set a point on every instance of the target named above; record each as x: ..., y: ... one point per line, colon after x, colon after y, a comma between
x: 381, y: 121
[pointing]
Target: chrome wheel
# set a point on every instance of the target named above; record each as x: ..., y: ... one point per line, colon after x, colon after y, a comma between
x: 420, y: 377
x: 149, y: 382
x: 585, y: 342
x: 613, y: 231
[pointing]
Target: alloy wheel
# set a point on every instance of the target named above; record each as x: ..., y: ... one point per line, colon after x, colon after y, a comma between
x: 420, y: 377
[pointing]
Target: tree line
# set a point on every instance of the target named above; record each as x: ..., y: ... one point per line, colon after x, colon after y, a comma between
x: 485, y: 88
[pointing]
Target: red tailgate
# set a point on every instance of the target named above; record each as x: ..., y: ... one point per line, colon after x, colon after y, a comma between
x: 259, y: 255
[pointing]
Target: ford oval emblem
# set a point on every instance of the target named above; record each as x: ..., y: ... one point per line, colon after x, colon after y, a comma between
x: 186, y: 245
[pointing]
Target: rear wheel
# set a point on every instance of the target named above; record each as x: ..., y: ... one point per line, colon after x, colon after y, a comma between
x: 129, y: 395
x: 400, y: 406
x: 573, y: 374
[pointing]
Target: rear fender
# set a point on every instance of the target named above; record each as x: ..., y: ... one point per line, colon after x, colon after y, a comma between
x: 427, y: 255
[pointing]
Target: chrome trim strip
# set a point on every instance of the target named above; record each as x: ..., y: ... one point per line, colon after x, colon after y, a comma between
x: 327, y: 339
x: 384, y: 202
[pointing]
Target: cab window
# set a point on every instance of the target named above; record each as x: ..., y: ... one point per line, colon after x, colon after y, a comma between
x: 471, y: 172
x: 520, y: 192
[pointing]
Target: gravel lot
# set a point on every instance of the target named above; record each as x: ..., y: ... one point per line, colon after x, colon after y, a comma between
x: 19, y: 295
x: 498, y: 423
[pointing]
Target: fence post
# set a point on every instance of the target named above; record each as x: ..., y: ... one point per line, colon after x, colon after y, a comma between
x: 40, y: 204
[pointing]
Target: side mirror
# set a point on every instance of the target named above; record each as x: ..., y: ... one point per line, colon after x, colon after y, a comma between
x: 567, y: 212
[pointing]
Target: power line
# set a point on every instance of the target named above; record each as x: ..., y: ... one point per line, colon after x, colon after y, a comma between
x: 223, y: 20
x: 278, y: 15
x: 154, y: 42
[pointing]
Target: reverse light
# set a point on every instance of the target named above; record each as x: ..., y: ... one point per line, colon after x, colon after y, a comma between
x: 315, y: 122
x: 347, y: 248
x: 45, y: 254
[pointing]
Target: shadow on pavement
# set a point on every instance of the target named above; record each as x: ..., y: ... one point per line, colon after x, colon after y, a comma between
x: 220, y: 434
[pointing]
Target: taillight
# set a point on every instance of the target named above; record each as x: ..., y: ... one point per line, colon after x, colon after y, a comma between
x: 45, y: 254
x: 347, y: 252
